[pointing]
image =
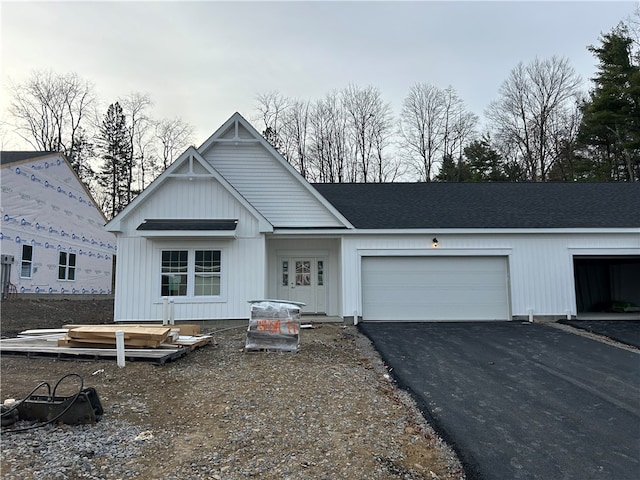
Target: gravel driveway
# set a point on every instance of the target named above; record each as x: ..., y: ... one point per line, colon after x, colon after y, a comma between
x: 522, y: 400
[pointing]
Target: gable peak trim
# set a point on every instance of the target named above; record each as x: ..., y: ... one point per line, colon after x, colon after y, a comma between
x: 235, y: 121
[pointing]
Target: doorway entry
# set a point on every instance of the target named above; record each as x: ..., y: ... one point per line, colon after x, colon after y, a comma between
x: 303, y: 279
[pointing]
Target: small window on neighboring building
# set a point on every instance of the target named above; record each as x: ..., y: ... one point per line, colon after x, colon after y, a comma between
x: 27, y: 261
x: 66, y: 266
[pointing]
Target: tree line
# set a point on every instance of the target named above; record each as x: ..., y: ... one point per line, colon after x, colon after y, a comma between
x: 542, y: 127
x: 116, y: 153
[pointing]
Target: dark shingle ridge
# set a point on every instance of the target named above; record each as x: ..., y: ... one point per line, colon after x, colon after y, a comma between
x: 7, y: 157
x: 486, y: 205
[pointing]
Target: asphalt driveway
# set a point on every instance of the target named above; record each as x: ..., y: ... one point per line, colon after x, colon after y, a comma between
x: 519, y: 400
x: 624, y: 331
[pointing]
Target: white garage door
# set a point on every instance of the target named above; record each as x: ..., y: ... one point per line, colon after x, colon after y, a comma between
x: 434, y: 288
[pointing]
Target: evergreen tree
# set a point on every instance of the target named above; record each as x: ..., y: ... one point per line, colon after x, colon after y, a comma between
x: 610, y: 130
x: 485, y: 163
x: 450, y: 171
x: 115, y: 145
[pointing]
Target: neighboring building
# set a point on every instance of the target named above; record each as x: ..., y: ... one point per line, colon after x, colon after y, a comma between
x: 232, y: 221
x: 52, y: 228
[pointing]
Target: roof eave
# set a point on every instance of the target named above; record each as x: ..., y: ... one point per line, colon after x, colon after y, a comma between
x: 458, y: 231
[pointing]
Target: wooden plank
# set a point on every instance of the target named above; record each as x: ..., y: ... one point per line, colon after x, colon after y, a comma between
x: 39, y: 347
x: 188, y: 329
x: 193, y: 342
x: 183, y: 328
x: 42, y: 331
x: 105, y: 343
x: 156, y: 333
x: 132, y: 341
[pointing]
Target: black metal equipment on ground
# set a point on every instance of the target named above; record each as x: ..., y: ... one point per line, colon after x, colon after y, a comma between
x: 82, y: 408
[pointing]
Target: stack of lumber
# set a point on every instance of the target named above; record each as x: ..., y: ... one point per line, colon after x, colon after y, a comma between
x: 104, y: 336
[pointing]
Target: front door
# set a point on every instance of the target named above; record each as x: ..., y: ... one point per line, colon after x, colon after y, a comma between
x: 302, y: 279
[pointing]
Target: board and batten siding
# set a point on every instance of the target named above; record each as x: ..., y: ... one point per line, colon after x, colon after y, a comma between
x: 269, y: 186
x: 138, y: 286
x: 243, y: 257
x: 197, y: 199
x: 540, y: 266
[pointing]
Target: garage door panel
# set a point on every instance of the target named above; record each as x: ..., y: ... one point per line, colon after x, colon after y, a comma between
x: 435, y: 288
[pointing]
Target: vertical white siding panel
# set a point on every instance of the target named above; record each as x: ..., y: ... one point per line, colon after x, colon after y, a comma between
x: 540, y: 265
x: 243, y: 264
x: 179, y: 198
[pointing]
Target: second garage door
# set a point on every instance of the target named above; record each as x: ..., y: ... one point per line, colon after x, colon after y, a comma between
x: 434, y: 288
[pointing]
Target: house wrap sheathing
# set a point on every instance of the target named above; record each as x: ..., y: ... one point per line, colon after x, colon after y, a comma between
x: 52, y: 228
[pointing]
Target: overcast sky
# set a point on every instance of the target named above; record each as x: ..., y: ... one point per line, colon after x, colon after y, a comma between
x: 203, y: 61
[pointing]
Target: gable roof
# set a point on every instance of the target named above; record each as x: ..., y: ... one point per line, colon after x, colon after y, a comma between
x: 15, y: 158
x: 238, y: 131
x: 486, y: 205
x: 7, y: 157
x: 194, y: 166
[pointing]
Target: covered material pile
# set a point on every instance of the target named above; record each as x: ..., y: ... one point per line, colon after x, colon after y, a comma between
x: 274, y: 325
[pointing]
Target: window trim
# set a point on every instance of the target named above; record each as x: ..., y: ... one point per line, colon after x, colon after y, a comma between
x: 24, y: 262
x: 190, y: 297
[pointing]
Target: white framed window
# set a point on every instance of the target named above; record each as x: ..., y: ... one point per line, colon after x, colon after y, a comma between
x: 26, y: 265
x: 191, y: 273
x: 66, y: 266
x: 207, y: 273
x: 174, y: 273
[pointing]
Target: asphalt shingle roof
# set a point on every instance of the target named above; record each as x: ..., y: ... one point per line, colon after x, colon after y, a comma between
x: 7, y: 157
x: 486, y: 205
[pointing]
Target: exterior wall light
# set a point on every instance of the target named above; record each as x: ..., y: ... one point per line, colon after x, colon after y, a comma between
x: 434, y: 242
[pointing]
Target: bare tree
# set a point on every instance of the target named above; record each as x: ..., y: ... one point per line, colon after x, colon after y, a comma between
x: 296, y: 130
x: 531, y: 99
x: 343, y: 137
x: 272, y: 107
x: 421, y: 127
x: 370, y: 125
x: 563, y: 130
x: 330, y: 147
x: 135, y: 107
x: 458, y: 127
x: 174, y: 136
x: 50, y: 109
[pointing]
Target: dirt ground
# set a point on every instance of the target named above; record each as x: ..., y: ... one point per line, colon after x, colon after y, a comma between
x: 22, y: 313
x: 328, y: 411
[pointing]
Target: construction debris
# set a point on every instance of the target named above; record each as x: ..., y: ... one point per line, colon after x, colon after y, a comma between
x: 150, y: 342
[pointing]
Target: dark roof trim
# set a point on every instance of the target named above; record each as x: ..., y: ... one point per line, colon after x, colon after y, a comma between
x: 313, y: 228
x: 182, y: 224
x: 8, y: 157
